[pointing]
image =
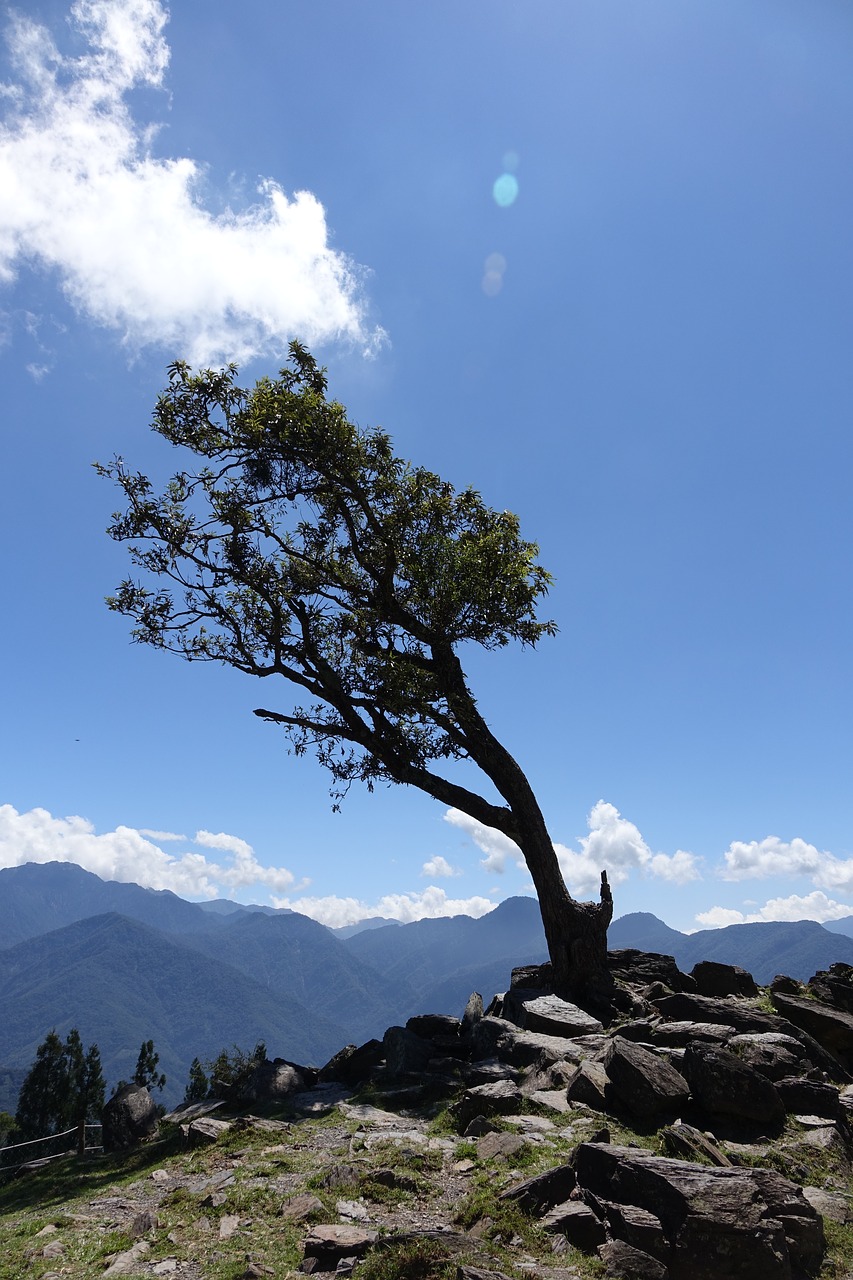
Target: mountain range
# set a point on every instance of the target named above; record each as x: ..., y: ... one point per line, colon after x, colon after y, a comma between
x: 124, y: 964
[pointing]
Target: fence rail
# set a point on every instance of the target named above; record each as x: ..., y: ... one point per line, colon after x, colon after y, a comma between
x: 79, y: 1132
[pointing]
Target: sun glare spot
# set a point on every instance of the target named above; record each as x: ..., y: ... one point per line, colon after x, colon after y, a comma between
x: 505, y: 190
x: 493, y: 274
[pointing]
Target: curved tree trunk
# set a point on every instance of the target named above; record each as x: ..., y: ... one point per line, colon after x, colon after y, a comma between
x: 576, y: 932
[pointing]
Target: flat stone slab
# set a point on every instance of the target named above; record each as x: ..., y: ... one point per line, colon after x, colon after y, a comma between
x: 365, y: 1114
x: 553, y: 1016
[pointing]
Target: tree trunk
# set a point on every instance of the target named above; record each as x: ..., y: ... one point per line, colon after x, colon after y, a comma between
x: 576, y: 932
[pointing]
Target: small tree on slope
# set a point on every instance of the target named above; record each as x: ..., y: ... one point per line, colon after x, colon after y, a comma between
x: 301, y: 547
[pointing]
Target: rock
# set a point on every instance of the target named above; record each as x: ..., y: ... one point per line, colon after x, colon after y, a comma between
x: 473, y: 1013
x: 636, y: 1227
x: 678, y: 1035
x: 642, y: 968
x: 589, y: 1084
x: 430, y: 1025
x: 785, y: 985
x: 125, y: 1264
x: 206, y: 1130
x: 535, y: 1195
x: 644, y: 1084
x: 328, y: 1243
x: 352, y: 1065
x: 715, y: 979
x: 53, y: 1249
x: 228, y: 1224
x: 499, y: 1098
x: 406, y: 1052
x: 477, y: 1273
x: 829, y: 1204
x: 773, y: 1054
x: 832, y: 1028
x: 130, y: 1117
x: 489, y: 1072
x: 810, y: 1096
x: 685, y: 1142
x: 503, y: 1145
x: 143, y: 1223
x: 577, y: 1222
x: 723, y: 1085
x: 555, y: 1017
x: 736, y: 1224
x: 834, y: 986
x: 532, y: 977
x: 299, y: 1208
x: 274, y: 1081
x: 623, y: 1262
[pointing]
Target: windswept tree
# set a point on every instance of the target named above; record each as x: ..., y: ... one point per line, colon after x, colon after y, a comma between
x: 296, y: 545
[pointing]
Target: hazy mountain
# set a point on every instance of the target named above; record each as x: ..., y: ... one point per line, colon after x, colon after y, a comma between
x: 292, y: 954
x: 427, y: 953
x: 120, y: 982
x: 40, y: 897
x: 644, y: 931
x: 372, y: 922
x: 844, y: 925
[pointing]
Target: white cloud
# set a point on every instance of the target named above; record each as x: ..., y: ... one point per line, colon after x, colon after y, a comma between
x: 134, y: 247
x: 132, y: 856
x: 405, y: 907
x: 439, y: 867
x: 497, y: 847
x: 614, y: 845
x: 814, y: 906
x: 159, y: 836
x: 757, y: 859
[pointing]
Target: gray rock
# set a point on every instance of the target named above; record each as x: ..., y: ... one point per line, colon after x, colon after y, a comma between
x: 829, y: 1204
x: 678, y: 1035
x: 535, y: 1195
x: 734, y: 1223
x: 500, y: 1145
x: 589, y: 1084
x: 715, y: 979
x: 430, y: 1025
x: 643, y: 968
x: 577, y: 1222
x: 555, y: 1017
x: 773, y: 1054
x: 328, y: 1243
x: 301, y: 1207
x: 129, y: 1117
x: 352, y: 1064
x: 686, y: 1143
x: 274, y: 1081
x: 810, y: 1096
x: 406, y: 1052
x: 723, y: 1085
x: 834, y: 986
x: 832, y: 1028
x: 205, y: 1130
x: 499, y: 1098
x: 623, y: 1262
x: 473, y: 1013
x: 644, y: 1084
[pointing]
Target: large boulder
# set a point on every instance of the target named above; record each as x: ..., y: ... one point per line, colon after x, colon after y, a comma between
x: 832, y: 1028
x: 719, y: 1224
x: 550, y: 1015
x: 723, y: 1085
x: 645, y: 1084
x: 644, y: 968
x: 715, y: 979
x: 834, y: 986
x: 130, y: 1117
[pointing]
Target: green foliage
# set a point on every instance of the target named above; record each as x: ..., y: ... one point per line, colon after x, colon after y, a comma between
x: 64, y: 1087
x: 146, y: 1073
x: 301, y: 546
x: 416, y: 1259
x: 198, y: 1084
x: 230, y: 1071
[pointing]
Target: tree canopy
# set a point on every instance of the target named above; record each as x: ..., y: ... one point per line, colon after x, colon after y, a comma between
x: 300, y: 546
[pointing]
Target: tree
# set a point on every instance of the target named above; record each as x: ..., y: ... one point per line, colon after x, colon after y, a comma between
x: 63, y: 1088
x: 146, y: 1073
x: 198, y: 1084
x: 302, y: 547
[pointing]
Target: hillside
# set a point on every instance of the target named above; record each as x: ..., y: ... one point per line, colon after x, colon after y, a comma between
x: 120, y: 982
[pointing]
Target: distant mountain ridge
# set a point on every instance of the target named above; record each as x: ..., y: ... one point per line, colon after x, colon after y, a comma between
x: 123, y: 964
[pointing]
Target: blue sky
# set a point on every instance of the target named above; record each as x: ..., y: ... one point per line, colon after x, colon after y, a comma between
x: 592, y: 258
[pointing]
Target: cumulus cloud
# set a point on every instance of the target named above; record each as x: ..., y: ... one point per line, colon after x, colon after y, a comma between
x: 439, y: 867
x: 134, y: 856
x: 758, y: 859
x: 406, y: 907
x: 497, y: 847
x: 82, y: 193
x: 614, y: 844
x: 813, y: 906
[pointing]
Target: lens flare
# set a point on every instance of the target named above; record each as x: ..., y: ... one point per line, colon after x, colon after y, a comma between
x: 505, y: 190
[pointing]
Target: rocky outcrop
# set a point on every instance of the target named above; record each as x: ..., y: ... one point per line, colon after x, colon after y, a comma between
x: 130, y: 1117
x: 703, y: 1223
